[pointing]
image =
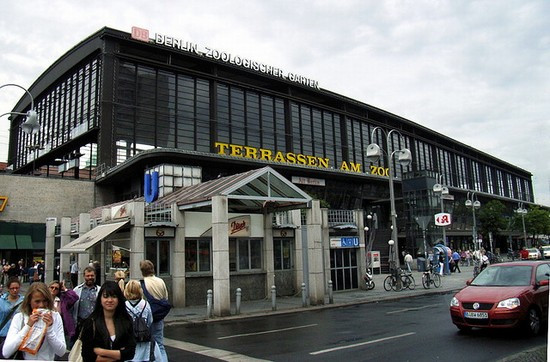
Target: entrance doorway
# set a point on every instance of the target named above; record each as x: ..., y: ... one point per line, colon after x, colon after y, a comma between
x: 343, y: 269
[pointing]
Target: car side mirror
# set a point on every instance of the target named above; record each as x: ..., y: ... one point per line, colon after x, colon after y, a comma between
x: 543, y: 282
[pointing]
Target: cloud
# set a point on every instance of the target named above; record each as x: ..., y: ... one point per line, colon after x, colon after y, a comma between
x: 475, y: 71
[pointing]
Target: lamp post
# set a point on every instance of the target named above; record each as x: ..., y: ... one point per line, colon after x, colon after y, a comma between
x: 404, y: 157
x: 369, y: 239
x: 31, y: 125
x: 522, y: 211
x: 441, y: 190
x: 474, y: 204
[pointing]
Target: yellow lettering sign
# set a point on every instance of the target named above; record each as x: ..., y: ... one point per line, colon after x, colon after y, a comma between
x: 3, y: 202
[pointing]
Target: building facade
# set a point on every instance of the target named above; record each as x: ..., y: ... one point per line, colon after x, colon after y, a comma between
x: 119, y: 104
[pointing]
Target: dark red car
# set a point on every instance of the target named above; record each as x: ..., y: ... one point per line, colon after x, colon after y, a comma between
x: 505, y: 295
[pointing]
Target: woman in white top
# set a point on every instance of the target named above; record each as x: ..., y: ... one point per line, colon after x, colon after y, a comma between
x: 38, y: 297
x: 136, y: 305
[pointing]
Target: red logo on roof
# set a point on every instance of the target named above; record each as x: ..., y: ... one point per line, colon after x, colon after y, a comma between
x: 140, y: 34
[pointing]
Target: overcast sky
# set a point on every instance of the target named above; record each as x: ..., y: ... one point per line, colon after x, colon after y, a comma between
x: 476, y: 71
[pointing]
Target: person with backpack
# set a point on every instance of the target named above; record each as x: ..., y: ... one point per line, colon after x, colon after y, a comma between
x: 142, y: 316
x: 155, y: 290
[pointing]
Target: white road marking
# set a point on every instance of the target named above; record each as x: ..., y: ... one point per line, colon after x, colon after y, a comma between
x: 209, y: 352
x: 411, y: 309
x: 361, y: 344
x: 267, y: 332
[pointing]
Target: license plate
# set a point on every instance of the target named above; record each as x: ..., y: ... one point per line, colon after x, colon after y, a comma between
x: 476, y: 315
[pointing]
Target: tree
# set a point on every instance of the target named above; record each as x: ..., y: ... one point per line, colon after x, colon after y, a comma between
x: 491, y: 217
x: 537, y: 222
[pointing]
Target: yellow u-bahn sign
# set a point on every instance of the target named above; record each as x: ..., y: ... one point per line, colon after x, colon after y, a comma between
x: 3, y: 202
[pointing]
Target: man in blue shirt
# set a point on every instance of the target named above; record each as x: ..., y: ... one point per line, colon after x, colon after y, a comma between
x: 87, y: 295
x: 456, y: 259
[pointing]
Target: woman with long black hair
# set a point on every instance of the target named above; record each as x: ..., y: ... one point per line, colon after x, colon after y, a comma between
x: 107, y: 334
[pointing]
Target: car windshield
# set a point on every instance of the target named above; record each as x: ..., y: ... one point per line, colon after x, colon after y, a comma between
x: 504, y: 276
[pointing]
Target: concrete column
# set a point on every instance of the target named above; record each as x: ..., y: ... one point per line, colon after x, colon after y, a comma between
x: 220, y: 256
x: 49, y: 253
x: 268, y: 252
x: 178, y: 259
x: 362, y: 256
x: 315, y: 255
x: 65, y: 259
x: 137, y: 240
x: 83, y: 258
x: 298, y: 260
x: 325, y: 232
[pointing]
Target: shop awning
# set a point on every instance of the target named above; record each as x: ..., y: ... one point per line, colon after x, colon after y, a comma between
x: 7, y: 242
x: 92, y: 237
x: 24, y: 242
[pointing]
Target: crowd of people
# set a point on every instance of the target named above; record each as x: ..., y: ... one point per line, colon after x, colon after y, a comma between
x: 48, y: 320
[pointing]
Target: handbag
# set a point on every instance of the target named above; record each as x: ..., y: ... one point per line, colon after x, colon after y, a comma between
x: 76, y: 352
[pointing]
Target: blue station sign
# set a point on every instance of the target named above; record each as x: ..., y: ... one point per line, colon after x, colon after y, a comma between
x: 344, y: 242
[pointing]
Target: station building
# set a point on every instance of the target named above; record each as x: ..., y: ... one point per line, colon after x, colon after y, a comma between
x: 227, y: 172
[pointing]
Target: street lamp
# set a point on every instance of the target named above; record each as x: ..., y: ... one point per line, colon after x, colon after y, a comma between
x: 404, y: 158
x: 441, y: 190
x: 31, y: 125
x: 522, y: 211
x: 474, y: 204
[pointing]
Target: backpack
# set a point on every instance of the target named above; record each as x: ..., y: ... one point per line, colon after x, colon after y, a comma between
x: 159, y: 307
x: 141, y: 331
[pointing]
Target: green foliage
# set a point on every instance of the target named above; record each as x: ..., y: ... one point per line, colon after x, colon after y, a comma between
x: 492, y: 217
x: 537, y: 221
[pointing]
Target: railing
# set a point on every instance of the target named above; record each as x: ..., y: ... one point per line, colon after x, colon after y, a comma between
x: 282, y: 218
x: 158, y: 213
x: 341, y: 217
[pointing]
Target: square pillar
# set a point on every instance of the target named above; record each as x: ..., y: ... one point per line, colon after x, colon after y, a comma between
x: 137, y: 240
x: 83, y: 258
x: 49, y: 253
x: 178, y: 258
x: 65, y: 258
x: 220, y: 256
x: 362, y: 256
x: 315, y: 255
x: 268, y: 252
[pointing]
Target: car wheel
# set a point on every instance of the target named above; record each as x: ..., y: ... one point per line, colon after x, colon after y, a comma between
x: 532, y: 322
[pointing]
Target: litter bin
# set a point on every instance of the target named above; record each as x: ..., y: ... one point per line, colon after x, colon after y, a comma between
x: 421, y: 264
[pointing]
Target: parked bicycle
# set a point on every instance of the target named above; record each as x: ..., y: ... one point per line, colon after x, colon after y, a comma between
x: 407, y: 281
x: 430, y: 277
x: 369, y: 281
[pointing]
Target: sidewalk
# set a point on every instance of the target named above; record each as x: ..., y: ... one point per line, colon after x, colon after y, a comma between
x: 197, y: 314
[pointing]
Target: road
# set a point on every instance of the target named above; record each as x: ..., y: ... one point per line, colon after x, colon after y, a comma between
x: 413, y: 329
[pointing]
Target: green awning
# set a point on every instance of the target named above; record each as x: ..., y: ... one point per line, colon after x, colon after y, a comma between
x: 7, y: 242
x: 24, y: 242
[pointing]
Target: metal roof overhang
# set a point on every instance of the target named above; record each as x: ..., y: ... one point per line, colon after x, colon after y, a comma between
x: 261, y: 189
x: 92, y: 237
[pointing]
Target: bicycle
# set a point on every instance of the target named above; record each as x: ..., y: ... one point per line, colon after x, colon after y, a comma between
x: 430, y: 277
x: 407, y: 281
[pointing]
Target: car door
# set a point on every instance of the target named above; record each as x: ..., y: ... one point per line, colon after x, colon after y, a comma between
x: 541, y: 293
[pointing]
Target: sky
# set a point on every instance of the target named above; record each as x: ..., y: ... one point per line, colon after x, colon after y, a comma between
x: 475, y: 71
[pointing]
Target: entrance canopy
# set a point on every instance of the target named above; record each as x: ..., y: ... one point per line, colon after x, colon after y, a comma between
x: 92, y: 237
x: 250, y: 191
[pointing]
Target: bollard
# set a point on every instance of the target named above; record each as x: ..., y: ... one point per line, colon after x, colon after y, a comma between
x: 273, y: 298
x: 330, y: 294
x: 304, y: 299
x: 238, y: 301
x: 209, y: 303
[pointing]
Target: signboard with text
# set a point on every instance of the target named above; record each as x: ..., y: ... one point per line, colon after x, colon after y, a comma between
x: 344, y: 242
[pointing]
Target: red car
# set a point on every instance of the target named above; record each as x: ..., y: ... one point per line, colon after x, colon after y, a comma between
x: 504, y: 295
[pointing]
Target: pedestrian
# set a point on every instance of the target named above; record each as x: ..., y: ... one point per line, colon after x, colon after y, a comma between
x: 408, y: 260
x: 441, y: 263
x: 9, y: 304
x: 64, y: 300
x: 37, y: 305
x: 138, y: 307
x: 156, y: 288
x: 87, y: 296
x: 120, y: 275
x: 97, y: 265
x: 484, y: 260
x: 74, y: 274
x: 107, y: 335
x: 456, y: 259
